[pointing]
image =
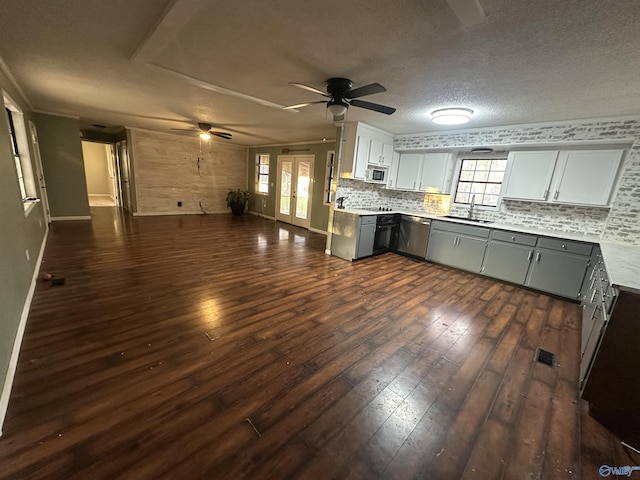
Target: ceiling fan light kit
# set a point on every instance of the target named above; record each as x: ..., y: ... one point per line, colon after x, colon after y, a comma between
x: 451, y: 116
x: 205, y: 135
x: 341, y: 96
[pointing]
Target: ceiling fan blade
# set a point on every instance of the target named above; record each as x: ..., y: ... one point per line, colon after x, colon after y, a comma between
x: 373, y: 106
x: 300, y: 105
x: 366, y: 90
x: 311, y: 89
x: 225, y: 135
x: 185, y: 129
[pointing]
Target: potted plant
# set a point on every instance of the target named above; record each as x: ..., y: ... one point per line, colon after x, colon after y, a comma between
x: 237, y: 199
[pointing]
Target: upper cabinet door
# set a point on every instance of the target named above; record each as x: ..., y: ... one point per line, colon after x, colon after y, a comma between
x: 375, y: 152
x: 435, y: 173
x: 408, y: 171
x: 387, y: 154
x: 587, y: 177
x: 361, y: 157
x: 529, y: 175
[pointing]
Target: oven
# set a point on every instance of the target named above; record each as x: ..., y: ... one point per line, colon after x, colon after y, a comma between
x: 386, y: 233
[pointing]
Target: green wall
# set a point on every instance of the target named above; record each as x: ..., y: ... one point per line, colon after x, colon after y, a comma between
x: 266, y: 204
x: 18, y: 233
x: 61, y: 153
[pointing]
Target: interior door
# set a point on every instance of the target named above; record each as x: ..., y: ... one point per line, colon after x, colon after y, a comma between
x: 124, y: 171
x: 113, y: 174
x: 294, y: 190
x: 39, y: 172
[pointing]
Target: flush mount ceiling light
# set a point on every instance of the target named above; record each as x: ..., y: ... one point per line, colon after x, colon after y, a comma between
x: 451, y: 116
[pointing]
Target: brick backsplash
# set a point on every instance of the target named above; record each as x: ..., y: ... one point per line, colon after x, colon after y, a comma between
x: 619, y: 224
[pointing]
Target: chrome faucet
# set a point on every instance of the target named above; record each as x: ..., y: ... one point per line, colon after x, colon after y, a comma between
x: 473, y: 204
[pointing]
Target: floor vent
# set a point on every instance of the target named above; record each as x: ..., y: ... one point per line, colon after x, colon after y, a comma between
x: 546, y: 357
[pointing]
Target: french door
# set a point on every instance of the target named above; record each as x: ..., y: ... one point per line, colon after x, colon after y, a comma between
x: 294, y: 189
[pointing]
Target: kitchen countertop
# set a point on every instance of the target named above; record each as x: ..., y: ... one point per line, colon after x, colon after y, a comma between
x: 622, y: 261
x: 623, y: 265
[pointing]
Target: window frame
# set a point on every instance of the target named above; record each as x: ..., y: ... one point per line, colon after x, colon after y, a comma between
x: 329, y: 177
x: 25, y: 175
x: 456, y: 180
x: 260, y: 175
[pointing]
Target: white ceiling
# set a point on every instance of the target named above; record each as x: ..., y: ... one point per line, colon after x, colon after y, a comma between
x: 162, y: 64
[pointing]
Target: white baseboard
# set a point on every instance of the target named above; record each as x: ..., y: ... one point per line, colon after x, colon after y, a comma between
x: 258, y: 214
x: 75, y: 217
x: 160, y: 214
x: 13, y: 361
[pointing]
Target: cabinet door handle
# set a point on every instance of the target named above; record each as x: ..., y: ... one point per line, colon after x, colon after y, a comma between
x: 414, y: 185
x: 530, y: 255
x: 538, y: 257
x: 593, y: 295
x: 546, y: 194
x: 555, y: 197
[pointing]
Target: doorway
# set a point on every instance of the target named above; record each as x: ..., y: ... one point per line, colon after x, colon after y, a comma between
x: 294, y: 189
x: 100, y: 173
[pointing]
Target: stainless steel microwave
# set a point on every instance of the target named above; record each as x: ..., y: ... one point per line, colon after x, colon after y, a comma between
x: 378, y: 175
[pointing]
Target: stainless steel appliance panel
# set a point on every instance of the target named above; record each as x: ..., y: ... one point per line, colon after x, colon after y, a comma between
x: 413, y: 236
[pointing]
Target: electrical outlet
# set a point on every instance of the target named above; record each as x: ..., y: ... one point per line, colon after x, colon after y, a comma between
x: 179, y: 204
x: 26, y: 252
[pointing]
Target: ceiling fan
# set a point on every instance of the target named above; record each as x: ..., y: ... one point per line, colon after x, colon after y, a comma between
x: 205, y: 131
x: 341, y: 96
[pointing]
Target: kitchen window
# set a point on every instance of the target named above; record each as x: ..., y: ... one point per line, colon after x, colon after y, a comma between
x: 329, y: 176
x: 480, y: 181
x: 262, y: 173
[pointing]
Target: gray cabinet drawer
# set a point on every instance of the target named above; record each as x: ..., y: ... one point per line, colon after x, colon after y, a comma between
x: 570, y: 246
x: 368, y: 219
x: 471, y: 230
x: 514, y: 237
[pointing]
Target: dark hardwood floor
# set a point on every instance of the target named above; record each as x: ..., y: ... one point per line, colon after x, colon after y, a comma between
x: 214, y: 347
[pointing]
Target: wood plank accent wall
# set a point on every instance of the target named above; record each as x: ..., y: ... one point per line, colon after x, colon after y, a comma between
x: 170, y: 168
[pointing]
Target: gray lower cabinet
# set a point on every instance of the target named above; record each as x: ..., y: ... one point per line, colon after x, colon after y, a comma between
x: 352, y: 235
x: 457, y: 245
x: 509, y: 256
x: 508, y: 262
x: 557, y: 272
x: 366, y: 236
x: 552, y: 265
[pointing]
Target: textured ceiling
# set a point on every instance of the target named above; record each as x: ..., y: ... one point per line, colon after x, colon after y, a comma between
x: 168, y: 64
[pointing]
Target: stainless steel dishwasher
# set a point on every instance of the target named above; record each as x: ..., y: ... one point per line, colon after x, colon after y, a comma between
x: 413, y: 236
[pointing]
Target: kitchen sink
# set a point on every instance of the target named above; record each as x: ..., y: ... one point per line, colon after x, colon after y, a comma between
x: 466, y: 219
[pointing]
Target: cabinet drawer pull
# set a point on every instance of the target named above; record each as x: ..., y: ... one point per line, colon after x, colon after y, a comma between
x: 513, y: 238
x: 538, y: 257
x: 530, y: 256
x: 564, y: 247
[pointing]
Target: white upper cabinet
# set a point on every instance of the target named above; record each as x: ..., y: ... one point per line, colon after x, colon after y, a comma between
x: 579, y: 177
x: 406, y: 175
x: 423, y: 172
x: 529, y: 174
x: 435, y: 173
x: 364, y: 146
x: 587, y: 177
